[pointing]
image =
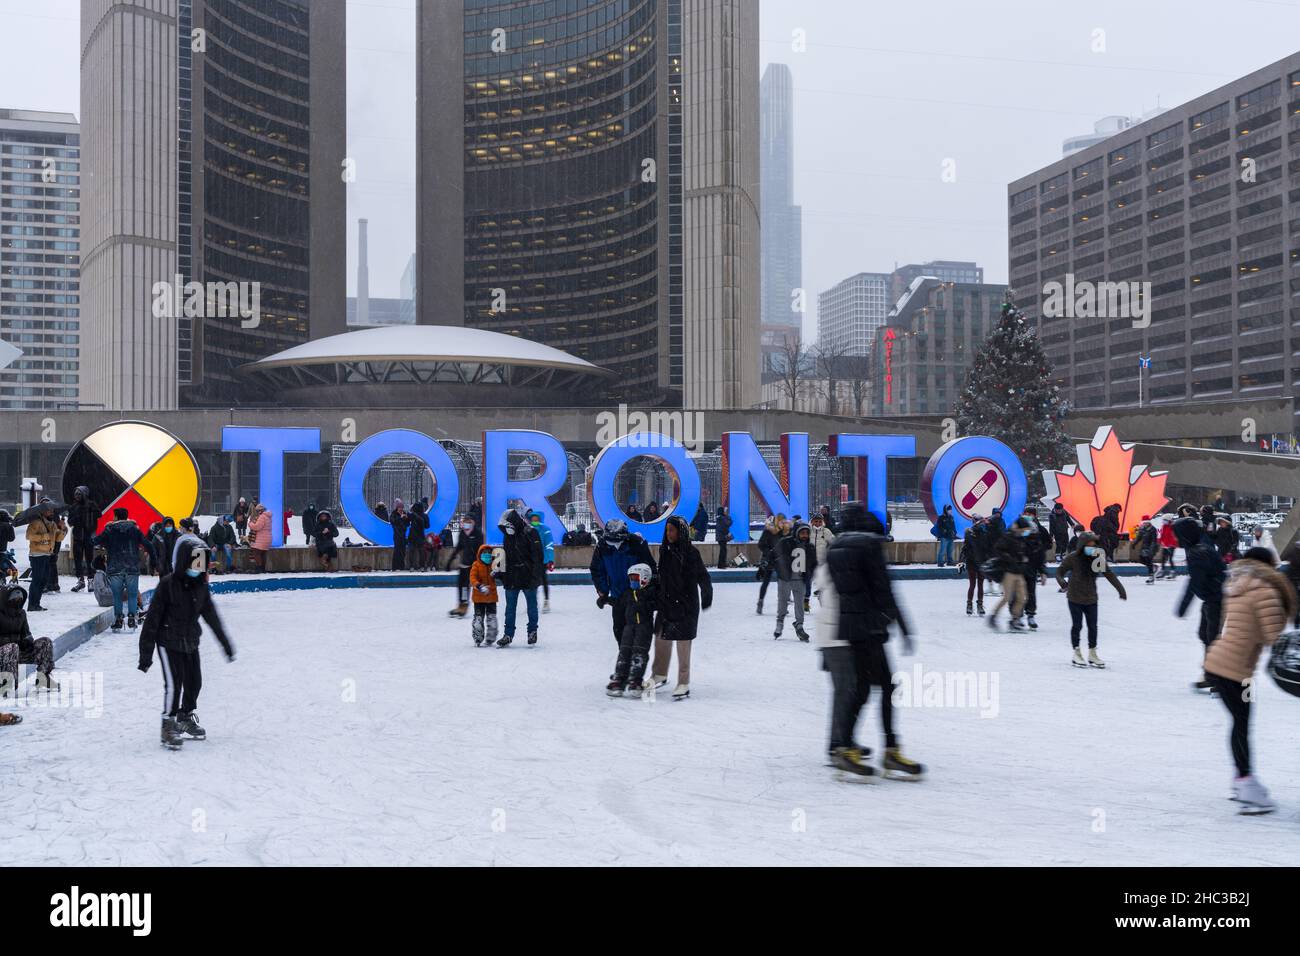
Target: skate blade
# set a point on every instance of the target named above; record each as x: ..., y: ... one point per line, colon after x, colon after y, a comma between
x: 848, y: 776
x: 681, y: 696
x: 903, y: 776
x: 1253, y: 811
x: 1097, y: 667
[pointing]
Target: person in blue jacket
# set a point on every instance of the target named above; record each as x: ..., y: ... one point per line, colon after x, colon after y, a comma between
x: 617, y: 551
x: 700, y: 523
x: 548, y: 556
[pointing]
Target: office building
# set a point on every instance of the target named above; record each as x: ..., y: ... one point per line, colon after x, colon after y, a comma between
x: 784, y: 301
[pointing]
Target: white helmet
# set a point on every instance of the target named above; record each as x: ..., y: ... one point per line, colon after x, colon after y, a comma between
x: 641, y: 572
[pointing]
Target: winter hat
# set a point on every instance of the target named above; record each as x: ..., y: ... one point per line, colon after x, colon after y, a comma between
x: 1187, y: 530
x: 1263, y: 555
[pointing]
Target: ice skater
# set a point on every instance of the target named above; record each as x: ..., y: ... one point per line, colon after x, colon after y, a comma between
x: 1081, y: 567
x: 483, y: 589
x: 637, y: 608
x: 1205, y: 574
x: 462, y: 560
x: 1258, y: 602
x: 796, y: 555
x: 522, y: 573
x: 172, y: 629
x: 617, y: 551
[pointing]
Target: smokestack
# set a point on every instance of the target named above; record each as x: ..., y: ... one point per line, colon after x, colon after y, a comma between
x: 363, y: 273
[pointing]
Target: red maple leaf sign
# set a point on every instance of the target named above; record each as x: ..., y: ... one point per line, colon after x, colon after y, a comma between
x: 1105, y: 475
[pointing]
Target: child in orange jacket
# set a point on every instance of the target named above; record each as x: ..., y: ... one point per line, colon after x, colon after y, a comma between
x: 483, y: 591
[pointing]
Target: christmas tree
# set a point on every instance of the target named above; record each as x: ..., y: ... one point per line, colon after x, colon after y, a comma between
x: 1009, y: 396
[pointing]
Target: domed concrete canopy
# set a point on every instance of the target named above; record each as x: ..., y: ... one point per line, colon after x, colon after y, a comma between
x: 427, y: 364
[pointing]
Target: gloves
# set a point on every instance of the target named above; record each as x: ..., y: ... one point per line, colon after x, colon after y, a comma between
x: 145, y: 664
x: 706, y: 604
x: 602, y: 600
x: 482, y: 589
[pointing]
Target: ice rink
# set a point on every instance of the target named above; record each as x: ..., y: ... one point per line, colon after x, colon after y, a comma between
x: 364, y: 727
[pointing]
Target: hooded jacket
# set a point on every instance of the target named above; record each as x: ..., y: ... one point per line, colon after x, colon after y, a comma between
x: 700, y: 523
x: 1058, y: 523
x: 610, y: 561
x: 524, y: 557
x: 83, y: 514
x: 13, y: 620
x: 178, y: 603
x: 1258, y: 603
x: 822, y: 538
x: 685, y: 587
x: 122, y: 541
x: 861, y: 578
x: 480, y: 575
x: 722, y: 527
x: 795, y: 557
x: 1205, y: 569
x: 1082, y: 588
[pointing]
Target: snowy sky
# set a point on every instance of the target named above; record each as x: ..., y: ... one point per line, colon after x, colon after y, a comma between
x: 885, y: 93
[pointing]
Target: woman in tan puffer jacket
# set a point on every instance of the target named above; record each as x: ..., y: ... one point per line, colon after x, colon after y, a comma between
x: 1258, y: 602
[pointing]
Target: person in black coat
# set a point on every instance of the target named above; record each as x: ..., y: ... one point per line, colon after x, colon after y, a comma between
x: 867, y: 609
x: 974, y: 552
x: 1225, y: 539
x: 415, y: 531
x: 945, y: 528
x: 579, y: 537
x: 700, y: 523
x: 17, y: 646
x: 722, y: 534
x: 525, y: 561
x: 796, y: 555
x: 7, y: 537
x: 309, y: 516
x: 1106, y: 527
x: 634, y: 512
x: 83, y: 520
x: 1146, y: 543
x: 767, y: 541
x: 1205, y: 574
x: 636, y: 607
x: 325, y: 534
x: 1012, y: 553
x: 463, y: 558
x: 1058, y: 523
x: 164, y: 545
x: 826, y: 517
x: 1036, y: 545
x: 685, y: 590
x: 171, y: 628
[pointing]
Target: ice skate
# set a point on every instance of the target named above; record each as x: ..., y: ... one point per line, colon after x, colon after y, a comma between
x: 615, y: 688
x: 506, y: 640
x: 851, y: 760
x: 490, y: 633
x: 170, y: 737
x: 46, y: 683
x: 131, y: 622
x: 1151, y: 579
x: 460, y: 610
x: 1093, y: 659
x: 993, y: 622
x: 188, y: 724
x: 1033, y: 625
x: 801, y: 633
x: 1204, y: 685
x: 681, y: 692
x: 1252, y: 795
x: 659, y: 681
x: 898, y: 767
x: 546, y: 606
x: 532, y: 637
x: 979, y: 608
x: 117, y: 624
x: 1078, y: 660
x: 1016, y: 624
x: 80, y: 585
x: 759, y: 608
x: 970, y: 609
x: 776, y: 635
x: 476, y: 630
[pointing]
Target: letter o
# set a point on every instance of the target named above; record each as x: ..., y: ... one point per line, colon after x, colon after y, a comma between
x: 671, y: 454
x: 352, y: 495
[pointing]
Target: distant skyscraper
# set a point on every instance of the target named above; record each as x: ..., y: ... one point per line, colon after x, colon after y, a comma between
x: 40, y: 230
x: 849, y: 313
x: 213, y: 144
x: 782, y: 268
x: 556, y: 155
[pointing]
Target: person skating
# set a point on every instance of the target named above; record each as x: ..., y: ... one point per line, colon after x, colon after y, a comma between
x: 325, y: 534
x: 795, y: 556
x: 171, y: 628
x: 17, y: 646
x: 483, y: 588
x: 1225, y: 539
x: 1168, y: 542
x: 1205, y: 574
x: 1146, y: 543
x: 617, y: 551
x: 773, y: 529
x: 43, y: 532
x: 997, y: 527
x: 83, y: 521
x: 685, y: 589
x: 722, y: 534
x: 945, y: 529
x: 1257, y: 603
x: 462, y: 560
x: 548, y: 556
x: 1106, y: 527
x: 974, y: 552
x: 700, y: 523
x: 854, y: 647
x: 1058, y: 524
x: 637, y: 605
x: 122, y: 542
x: 1012, y: 554
x: 1082, y: 567
x: 524, y: 565
x: 1036, y: 544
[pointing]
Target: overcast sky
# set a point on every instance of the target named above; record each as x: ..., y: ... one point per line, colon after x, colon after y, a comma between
x: 884, y: 94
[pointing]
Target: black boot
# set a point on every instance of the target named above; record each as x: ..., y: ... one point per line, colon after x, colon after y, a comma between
x: 80, y: 585
x: 188, y: 724
x: 171, y: 737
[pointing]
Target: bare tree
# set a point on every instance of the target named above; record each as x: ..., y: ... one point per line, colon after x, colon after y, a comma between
x: 795, y: 361
x: 831, y: 361
x: 856, y: 370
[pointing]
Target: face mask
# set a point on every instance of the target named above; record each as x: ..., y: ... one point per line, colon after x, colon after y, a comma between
x: 467, y: 527
x: 190, y: 572
x: 510, y: 529
x: 1092, y: 552
x: 168, y: 527
x: 1025, y: 533
x: 634, y: 583
x: 485, y: 558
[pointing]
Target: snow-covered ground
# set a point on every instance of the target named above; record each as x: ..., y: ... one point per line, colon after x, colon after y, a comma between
x: 364, y: 727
